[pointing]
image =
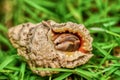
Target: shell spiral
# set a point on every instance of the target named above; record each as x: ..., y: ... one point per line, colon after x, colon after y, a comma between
x: 52, y: 45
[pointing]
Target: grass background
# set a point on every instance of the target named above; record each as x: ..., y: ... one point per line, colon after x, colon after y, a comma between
x: 101, y: 17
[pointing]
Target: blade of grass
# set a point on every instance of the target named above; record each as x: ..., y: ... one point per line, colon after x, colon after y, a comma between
x: 7, y: 61
x: 86, y: 74
x: 63, y: 76
x: 44, y: 3
x: 96, y: 29
x: 117, y: 72
x: 22, y: 71
x: 111, y: 71
x: 105, y: 58
x: 53, y: 69
x: 103, y: 52
x: 104, y: 70
x: 99, y: 5
x: 96, y: 19
x: 12, y: 68
x: 6, y: 71
x: 5, y: 41
x: 112, y: 33
x: 36, y: 6
x: 118, y: 65
x: 3, y: 28
x: 77, y: 15
x: 33, y: 15
x: 3, y: 78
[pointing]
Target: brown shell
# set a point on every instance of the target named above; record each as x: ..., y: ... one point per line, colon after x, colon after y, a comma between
x: 35, y: 43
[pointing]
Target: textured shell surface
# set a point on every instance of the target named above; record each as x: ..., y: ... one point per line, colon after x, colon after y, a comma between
x: 52, y: 45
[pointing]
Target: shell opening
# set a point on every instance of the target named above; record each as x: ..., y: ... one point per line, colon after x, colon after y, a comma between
x: 66, y: 41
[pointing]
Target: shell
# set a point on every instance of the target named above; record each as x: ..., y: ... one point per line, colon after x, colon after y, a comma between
x: 35, y: 42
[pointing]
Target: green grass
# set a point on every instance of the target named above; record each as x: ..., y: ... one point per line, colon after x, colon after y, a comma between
x: 101, y: 17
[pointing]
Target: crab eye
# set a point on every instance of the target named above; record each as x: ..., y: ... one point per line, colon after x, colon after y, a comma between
x: 67, y: 42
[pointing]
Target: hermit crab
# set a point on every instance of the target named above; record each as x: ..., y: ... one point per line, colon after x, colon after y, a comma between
x: 52, y: 45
